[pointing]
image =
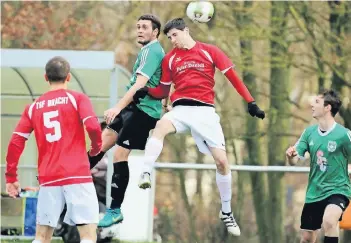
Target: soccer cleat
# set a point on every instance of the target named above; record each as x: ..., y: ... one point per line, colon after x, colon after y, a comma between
x: 111, y: 217
x: 230, y: 223
x: 145, y: 181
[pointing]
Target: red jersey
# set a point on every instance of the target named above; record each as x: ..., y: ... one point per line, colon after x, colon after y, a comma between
x: 57, y: 119
x: 192, y: 71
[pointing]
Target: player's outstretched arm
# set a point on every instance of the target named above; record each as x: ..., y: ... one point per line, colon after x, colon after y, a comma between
x: 297, y: 152
x: 347, y: 146
x: 160, y: 92
x: 151, y: 60
x: 239, y: 85
x: 94, y: 132
x: 14, y: 151
x: 140, y: 83
x: 110, y: 114
x: 225, y: 65
x: 91, y: 123
x: 163, y: 88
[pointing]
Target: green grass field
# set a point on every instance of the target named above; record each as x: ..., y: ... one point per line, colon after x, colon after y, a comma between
x: 18, y: 241
x: 58, y: 241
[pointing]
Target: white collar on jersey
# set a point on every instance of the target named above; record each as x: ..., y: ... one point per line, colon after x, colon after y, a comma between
x: 326, y: 132
x: 150, y: 43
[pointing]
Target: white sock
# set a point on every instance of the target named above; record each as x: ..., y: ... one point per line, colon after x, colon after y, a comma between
x: 224, y: 184
x: 153, y: 149
x: 86, y: 241
x: 36, y: 241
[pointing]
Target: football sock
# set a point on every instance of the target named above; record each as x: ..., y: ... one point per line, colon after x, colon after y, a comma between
x: 328, y: 239
x: 224, y: 183
x: 153, y: 149
x: 120, y: 179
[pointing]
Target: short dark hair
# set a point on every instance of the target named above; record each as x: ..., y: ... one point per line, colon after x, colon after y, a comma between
x: 177, y: 23
x: 332, y: 98
x: 57, y: 69
x: 156, y: 23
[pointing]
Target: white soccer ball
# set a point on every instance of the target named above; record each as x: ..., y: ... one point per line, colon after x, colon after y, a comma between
x: 200, y: 11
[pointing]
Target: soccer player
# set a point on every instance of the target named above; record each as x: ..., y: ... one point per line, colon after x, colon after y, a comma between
x: 130, y: 124
x: 329, y: 187
x: 191, y: 67
x: 57, y: 119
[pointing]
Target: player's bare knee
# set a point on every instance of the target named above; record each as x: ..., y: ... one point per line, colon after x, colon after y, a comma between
x: 222, y: 165
x: 331, y: 217
x: 329, y: 224
x: 109, y: 138
x: 220, y: 157
x: 43, y: 233
x: 42, y: 239
x: 87, y: 233
x: 307, y: 240
x: 121, y: 154
x: 308, y: 237
x: 119, y: 157
x: 162, y: 128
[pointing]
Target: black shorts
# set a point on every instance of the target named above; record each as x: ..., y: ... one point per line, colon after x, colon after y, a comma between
x: 312, y: 213
x: 133, y: 127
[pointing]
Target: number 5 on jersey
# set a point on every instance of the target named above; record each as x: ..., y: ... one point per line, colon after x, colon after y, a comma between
x: 49, y: 123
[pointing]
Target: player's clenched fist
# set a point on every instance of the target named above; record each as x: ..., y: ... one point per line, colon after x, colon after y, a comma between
x: 13, y: 189
x: 140, y: 94
x: 291, y: 152
x: 255, y: 111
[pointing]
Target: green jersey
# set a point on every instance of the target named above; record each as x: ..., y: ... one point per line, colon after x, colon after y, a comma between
x: 148, y: 64
x: 329, y: 152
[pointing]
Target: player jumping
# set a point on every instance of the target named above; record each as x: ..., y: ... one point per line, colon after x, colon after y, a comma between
x: 190, y: 66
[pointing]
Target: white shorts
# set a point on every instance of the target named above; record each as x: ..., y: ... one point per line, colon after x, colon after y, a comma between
x: 81, y: 200
x: 203, y: 123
